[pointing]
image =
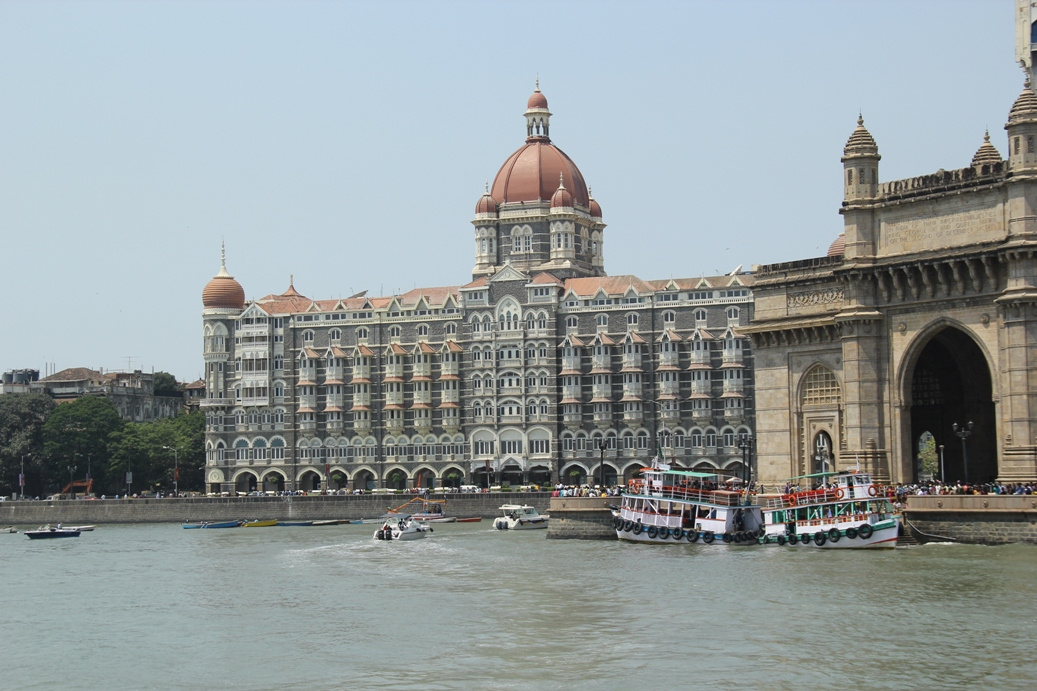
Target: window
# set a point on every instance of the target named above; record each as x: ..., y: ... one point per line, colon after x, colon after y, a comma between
x: 700, y: 316
x: 572, y: 322
x: 602, y: 320
x: 307, y: 336
x: 394, y: 332
x: 361, y: 333
x: 451, y: 329
x: 732, y: 314
x: 423, y: 330
x: 669, y: 318
x: 335, y: 334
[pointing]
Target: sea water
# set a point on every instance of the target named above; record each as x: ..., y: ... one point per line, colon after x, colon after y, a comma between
x: 155, y: 606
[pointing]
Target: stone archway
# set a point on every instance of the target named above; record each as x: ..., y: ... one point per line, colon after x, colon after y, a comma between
x: 951, y: 383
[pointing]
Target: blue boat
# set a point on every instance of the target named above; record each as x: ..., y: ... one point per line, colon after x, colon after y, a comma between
x: 293, y: 524
x: 211, y: 524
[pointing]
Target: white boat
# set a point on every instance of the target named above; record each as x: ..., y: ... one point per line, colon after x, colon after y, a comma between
x: 11, y: 529
x: 431, y: 510
x: 401, y: 527
x: 667, y: 506
x: 81, y: 528
x: 846, y: 511
x: 48, y: 531
x: 520, y: 517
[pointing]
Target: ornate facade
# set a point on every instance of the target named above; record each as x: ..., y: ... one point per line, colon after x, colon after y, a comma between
x: 540, y: 369
x: 921, y: 323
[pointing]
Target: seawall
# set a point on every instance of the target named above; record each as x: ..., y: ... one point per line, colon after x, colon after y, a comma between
x: 581, y: 518
x: 989, y: 519
x: 101, y: 511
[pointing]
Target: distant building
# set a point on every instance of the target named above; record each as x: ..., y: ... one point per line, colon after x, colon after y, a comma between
x: 132, y: 393
x: 194, y: 393
x: 542, y: 368
x: 18, y: 380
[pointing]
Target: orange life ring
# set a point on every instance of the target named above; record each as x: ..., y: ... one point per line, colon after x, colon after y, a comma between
x: 791, y: 499
x: 872, y: 492
x: 838, y: 492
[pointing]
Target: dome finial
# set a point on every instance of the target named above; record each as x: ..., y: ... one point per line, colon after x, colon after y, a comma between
x: 860, y: 119
x: 561, y: 181
x: 291, y: 280
x: 487, y: 184
x: 986, y: 135
x: 537, y: 88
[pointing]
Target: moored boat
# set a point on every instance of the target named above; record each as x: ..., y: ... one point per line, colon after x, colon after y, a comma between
x: 81, y: 528
x: 294, y: 524
x: 520, y: 517
x: 845, y: 511
x: 470, y: 519
x: 333, y: 521
x: 11, y: 529
x: 256, y: 523
x: 48, y: 531
x: 211, y: 524
x: 667, y: 506
x: 431, y: 510
x: 401, y: 527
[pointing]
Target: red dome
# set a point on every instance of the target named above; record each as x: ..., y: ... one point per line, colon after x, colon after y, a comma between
x: 561, y: 197
x: 223, y: 292
x: 595, y: 208
x: 486, y: 204
x: 531, y: 175
x: 537, y: 100
x: 838, y: 246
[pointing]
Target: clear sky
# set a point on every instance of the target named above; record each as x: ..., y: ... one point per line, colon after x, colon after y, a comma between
x: 347, y: 143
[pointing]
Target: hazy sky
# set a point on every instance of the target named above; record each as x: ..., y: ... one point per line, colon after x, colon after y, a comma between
x: 347, y: 143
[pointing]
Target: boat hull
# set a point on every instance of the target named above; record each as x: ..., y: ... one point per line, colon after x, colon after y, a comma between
x: 881, y: 536
x: 50, y: 534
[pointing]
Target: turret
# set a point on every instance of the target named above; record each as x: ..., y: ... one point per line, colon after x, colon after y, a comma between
x: 1022, y: 132
x: 860, y: 165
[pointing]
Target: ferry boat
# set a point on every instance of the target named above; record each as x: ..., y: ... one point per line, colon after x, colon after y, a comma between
x: 846, y: 511
x: 520, y: 517
x: 673, y: 506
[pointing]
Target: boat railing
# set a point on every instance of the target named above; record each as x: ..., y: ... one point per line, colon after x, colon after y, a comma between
x: 717, y: 497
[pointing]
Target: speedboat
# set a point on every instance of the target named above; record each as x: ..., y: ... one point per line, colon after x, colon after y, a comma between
x: 47, y: 531
x: 667, y: 506
x: 846, y: 510
x: 520, y: 517
x: 11, y: 529
x: 401, y: 527
x: 255, y: 523
x: 294, y: 524
x: 81, y: 528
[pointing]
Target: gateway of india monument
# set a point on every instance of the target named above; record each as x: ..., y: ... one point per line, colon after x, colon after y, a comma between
x: 921, y: 322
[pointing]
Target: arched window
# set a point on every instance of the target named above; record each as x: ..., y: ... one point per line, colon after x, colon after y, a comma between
x: 361, y: 333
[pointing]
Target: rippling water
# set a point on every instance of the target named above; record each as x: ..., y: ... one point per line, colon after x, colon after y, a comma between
x: 129, y: 607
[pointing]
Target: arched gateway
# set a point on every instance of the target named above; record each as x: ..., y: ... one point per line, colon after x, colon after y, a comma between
x: 950, y: 383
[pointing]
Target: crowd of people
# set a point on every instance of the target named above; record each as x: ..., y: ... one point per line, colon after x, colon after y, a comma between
x: 930, y: 488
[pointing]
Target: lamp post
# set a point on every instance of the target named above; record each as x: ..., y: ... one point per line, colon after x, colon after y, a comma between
x: 72, y: 480
x: 601, y: 463
x: 964, y: 433
x: 21, y: 477
x: 943, y: 474
x: 176, y: 469
x: 745, y: 443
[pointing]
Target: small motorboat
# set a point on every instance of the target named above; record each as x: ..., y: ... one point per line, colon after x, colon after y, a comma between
x: 401, y: 527
x: 259, y: 524
x: 470, y: 519
x: 81, y: 528
x: 520, y: 517
x: 47, y: 531
x: 432, y: 510
x: 294, y: 524
x: 333, y: 521
x: 12, y: 529
x: 212, y: 524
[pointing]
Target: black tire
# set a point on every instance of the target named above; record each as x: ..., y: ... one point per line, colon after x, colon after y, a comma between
x: 792, y: 538
x: 628, y: 526
x: 726, y: 537
x: 738, y: 538
x: 782, y: 540
x: 692, y: 536
x: 820, y: 538
x: 834, y: 535
x: 638, y: 528
x: 865, y: 530
x: 677, y: 533
x: 653, y: 532
x: 618, y: 523
x: 851, y: 533
x: 708, y: 537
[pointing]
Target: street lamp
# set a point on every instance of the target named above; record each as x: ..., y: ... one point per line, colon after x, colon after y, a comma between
x: 745, y: 443
x: 964, y: 433
x: 176, y: 469
x: 72, y: 480
x: 21, y: 476
x: 601, y: 463
x: 943, y: 474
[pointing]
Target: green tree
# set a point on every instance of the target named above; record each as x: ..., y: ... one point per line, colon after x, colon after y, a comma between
x: 928, y: 459
x: 147, y: 450
x: 22, y: 418
x: 167, y: 385
x: 77, y: 434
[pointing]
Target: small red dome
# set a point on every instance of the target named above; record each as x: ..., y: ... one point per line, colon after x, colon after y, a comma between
x: 595, y: 208
x: 486, y: 204
x: 223, y: 292
x: 561, y: 197
x: 537, y: 100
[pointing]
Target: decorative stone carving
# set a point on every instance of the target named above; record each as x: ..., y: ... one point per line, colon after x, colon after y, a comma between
x: 816, y: 297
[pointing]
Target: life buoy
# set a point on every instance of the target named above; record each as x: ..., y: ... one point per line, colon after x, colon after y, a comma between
x: 839, y: 493
x: 790, y: 499
x: 708, y: 537
x: 820, y: 538
x: 851, y: 533
x: 781, y: 540
x: 726, y: 537
x: 692, y: 536
x: 638, y: 528
x: 834, y: 535
x: 653, y: 532
x: 865, y: 531
x: 677, y: 533
x: 872, y: 492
